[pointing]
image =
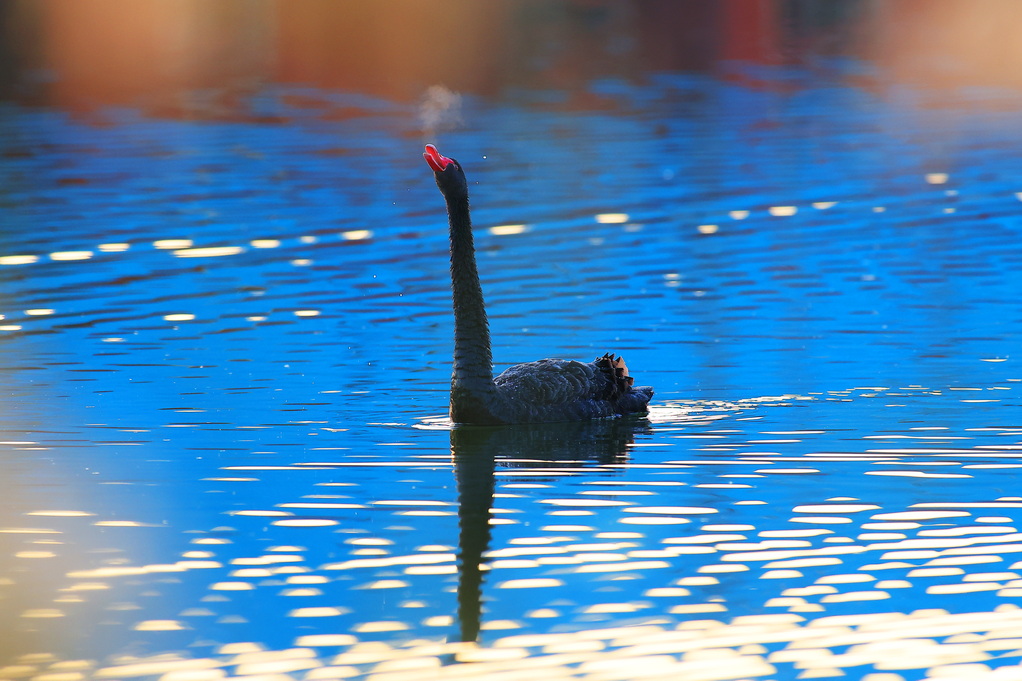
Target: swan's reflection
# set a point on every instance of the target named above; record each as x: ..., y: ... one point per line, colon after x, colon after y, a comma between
x: 477, y: 450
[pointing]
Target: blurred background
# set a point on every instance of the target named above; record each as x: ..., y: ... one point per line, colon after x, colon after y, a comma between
x: 161, y: 55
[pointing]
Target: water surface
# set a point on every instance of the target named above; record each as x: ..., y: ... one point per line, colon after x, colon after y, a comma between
x: 226, y: 348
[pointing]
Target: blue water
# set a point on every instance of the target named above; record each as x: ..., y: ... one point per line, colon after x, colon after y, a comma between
x: 235, y: 461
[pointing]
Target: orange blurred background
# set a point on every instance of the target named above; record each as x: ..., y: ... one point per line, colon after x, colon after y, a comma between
x: 87, y: 53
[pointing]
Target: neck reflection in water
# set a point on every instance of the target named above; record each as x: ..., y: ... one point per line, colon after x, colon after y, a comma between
x: 478, y: 450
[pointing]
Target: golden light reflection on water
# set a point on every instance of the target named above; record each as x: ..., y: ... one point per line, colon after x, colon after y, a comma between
x: 172, y: 244
x: 684, y: 616
x: 612, y: 218
x: 745, y: 647
x: 60, y: 514
x: 180, y: 248
x: 356, y: 235
x: 508, y: 230
x: 207, y: 252
x: 18, y: 259
x: 70, y: 255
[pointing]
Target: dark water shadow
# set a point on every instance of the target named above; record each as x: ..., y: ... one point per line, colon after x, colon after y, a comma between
x: 477, y: 451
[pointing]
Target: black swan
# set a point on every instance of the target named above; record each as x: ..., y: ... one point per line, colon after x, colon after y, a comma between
x: 535, y: 392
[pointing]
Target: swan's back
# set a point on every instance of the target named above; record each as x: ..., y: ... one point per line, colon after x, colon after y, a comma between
x: 566, y: 390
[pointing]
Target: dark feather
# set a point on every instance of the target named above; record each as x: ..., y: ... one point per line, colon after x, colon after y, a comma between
x: 560, y: 389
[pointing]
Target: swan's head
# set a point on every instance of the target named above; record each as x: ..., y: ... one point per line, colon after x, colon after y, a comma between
x: 449, y: 175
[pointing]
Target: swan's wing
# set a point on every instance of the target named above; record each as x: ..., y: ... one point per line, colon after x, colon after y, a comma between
x: 556, y: 382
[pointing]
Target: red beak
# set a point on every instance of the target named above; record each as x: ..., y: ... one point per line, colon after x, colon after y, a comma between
x: 435, y: 160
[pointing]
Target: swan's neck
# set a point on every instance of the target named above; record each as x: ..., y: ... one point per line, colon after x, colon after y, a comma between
x: 473, y: 363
